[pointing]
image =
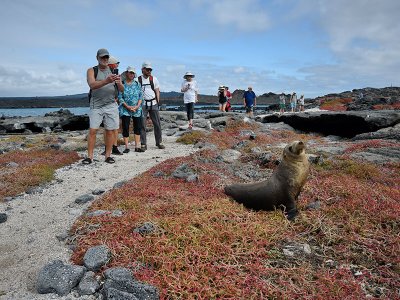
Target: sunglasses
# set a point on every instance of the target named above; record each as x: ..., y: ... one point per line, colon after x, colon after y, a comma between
x: 148, y: 69
x: 105, y: 57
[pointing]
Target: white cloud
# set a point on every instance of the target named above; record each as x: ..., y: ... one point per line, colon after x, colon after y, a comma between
x: 363, y: 39
x: 242, y: 15
x: 246, y: 15
x: 239, y: 70
x: 134, y: 14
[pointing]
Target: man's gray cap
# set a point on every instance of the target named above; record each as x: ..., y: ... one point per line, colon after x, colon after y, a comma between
x: 102, y: 52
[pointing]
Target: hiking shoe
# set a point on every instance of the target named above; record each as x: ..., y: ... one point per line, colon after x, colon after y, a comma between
x: 116, y: 151
x: 160, y: 146
x: 143, y: 147
x: 126, y: 150
x: 139, y: 150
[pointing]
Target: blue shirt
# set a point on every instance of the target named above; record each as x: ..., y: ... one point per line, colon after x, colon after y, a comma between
x: 131, y: 96
x: 249, y: 97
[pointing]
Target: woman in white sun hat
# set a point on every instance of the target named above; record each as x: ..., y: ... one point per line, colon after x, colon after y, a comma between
x: 190, y: 92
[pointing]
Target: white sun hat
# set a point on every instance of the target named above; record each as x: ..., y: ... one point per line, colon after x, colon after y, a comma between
x: 131, y: 69
x: 113, y: 61
x: 188, y: 74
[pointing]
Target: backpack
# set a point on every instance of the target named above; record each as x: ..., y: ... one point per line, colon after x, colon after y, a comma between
x: 221, y: 96
x: 151, y: 83
x: 96, y: 71
x: 152, y: 87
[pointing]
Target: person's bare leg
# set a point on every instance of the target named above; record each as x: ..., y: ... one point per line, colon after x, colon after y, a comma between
x: 91, y: 142
x: 109, y: 142
x: 104, y: 137
x: 137, y: 140
x: 116, y: 137
x: 126, y: 141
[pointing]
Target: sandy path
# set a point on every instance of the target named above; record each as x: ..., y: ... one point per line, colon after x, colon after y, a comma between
x: 28, y: 238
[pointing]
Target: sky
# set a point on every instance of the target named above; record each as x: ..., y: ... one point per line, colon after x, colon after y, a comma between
x: 313, y: 47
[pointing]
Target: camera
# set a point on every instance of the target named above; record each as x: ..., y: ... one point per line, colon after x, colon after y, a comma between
x: 115, y: 71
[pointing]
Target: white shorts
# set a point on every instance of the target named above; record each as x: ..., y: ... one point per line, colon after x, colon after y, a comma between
x: 108, y: 114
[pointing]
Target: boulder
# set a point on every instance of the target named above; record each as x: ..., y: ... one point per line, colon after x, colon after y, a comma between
x: 84, y: 199
x: 389, y: 133
x: 3, y: 217
x: 56, y: 277
x: 118, y: 274
x: 96, y: 257
x: 129, y: 289
x: 88, y: 284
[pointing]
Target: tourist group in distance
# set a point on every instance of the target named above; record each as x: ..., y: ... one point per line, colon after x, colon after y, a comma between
x: 117, y: 100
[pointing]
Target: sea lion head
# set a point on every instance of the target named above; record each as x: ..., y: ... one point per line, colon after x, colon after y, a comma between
x: 294, y: 150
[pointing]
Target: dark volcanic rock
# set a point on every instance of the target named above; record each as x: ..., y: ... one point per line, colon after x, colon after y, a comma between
x: 345, y: 124
x: 96, y: 257
x: 3, y: 217
x: 390, y: 133
x: 59, y: 278
x: 75, y: 123
x: 62, y: 119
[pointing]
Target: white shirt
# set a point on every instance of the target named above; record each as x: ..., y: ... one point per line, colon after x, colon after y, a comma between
x: 148, y: 93
x: 190, y: 95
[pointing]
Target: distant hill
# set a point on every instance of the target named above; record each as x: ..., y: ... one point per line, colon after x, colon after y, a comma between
x: 176, y: 98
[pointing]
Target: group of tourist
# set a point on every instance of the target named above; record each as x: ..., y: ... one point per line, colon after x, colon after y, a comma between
x: 119, y: 98
x: 296, y: 104
x: 224, y: 98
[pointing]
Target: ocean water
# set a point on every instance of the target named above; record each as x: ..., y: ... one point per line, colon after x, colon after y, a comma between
x: 33, y: 112
x: 25, y: 112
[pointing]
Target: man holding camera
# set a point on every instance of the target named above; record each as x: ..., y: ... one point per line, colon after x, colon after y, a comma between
x: 151, y: 96
x: 104, y: 86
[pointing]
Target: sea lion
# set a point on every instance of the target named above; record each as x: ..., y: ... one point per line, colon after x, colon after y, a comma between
x: 282, y: 189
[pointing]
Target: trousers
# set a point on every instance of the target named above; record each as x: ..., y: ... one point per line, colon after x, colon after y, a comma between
x: 155, y: 119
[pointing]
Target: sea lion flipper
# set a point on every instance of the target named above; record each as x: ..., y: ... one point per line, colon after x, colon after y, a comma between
x: 291, y: 214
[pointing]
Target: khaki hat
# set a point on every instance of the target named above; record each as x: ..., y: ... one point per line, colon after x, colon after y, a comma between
x: 102, y: 52
x: 188, y: 74
x: 221, y: 87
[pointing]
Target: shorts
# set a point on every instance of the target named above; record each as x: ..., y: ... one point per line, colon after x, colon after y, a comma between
x: 249, y: 109
x: 281, y: 105
x: 108, y: 114
x: 292, y: 105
